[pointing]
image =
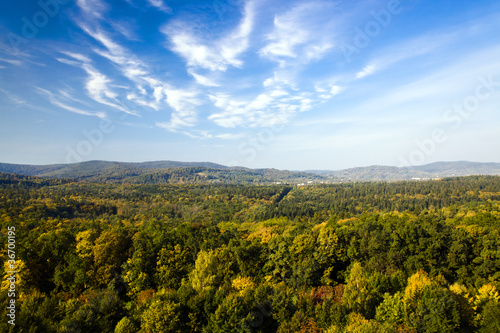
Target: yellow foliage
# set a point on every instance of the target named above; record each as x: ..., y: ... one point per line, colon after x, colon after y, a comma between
x: 320, y: 226
x: 487, y: 293
x: 356, y: 323
x: 19, y: 287
x: 351, y: 219
x: 459, y: 289
x: 416, y: 283
x: 242, y: 284
x: 84, y: 243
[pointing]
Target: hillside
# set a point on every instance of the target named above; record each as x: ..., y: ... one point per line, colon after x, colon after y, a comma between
x: 428, y: 171
x: 173, y: 172
x: 159, y: 172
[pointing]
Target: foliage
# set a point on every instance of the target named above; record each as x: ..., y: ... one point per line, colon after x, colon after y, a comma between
x: 360, y: 257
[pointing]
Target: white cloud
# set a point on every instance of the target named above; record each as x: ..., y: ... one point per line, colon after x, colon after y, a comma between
x: 92, y: 8
x: 97, y: 83
x: 56, y: 102
x: 203, y: 80
x: 284, y: 39
x: 97, y: 86
x: 126, y: 28
x: 366, y: 71
x: 160, y: 5
x: 272, y: 107
x: 214, y: 55
x: 335, y: 90
x: 230, y: 136
x: 11, y: 61
x: 411, y: 48
x: 13, y: 98
x: 77, y: 56
x: 184, y: 113
x: 295, y: 36
x: 279, y: 78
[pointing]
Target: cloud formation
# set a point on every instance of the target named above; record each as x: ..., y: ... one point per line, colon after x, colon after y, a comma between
x: 200, y: 51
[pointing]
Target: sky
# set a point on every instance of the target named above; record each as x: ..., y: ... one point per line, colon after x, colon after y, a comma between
x: 295, y: 85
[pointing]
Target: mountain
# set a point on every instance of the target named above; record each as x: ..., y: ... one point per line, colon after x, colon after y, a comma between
x: 159, y: 172
x: 428, y: 171
x: 172, y: 172
x: 461, y: 168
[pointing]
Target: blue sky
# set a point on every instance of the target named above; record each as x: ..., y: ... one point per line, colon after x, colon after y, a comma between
x: 284, y: 84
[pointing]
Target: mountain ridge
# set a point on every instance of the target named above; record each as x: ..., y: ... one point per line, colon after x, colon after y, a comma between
x: 194, y: 172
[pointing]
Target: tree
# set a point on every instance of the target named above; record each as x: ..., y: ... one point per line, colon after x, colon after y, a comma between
x: 491, y: 318
x: 357, y: 294
x: 391, y: 310
x: 204, y: 274
x: 229, y: 316
x: 162, y: 315
x: 125, y: 325
x: 172, y: 266
x: 211, y: 268
x: 96, y: 312
x: 111, y: 249
x: 430, y: 307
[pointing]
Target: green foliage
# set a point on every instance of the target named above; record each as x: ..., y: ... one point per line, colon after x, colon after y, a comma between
x: 360, y: 257
x: 95, y: 312
x: 162, y: 315
x: 491, y: 318
x: 125, y: 325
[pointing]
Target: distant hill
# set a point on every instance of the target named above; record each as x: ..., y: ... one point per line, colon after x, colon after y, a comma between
x: 172, y: 172
x: 159, y: 172
x: 461, y: 168
x: 428, y: 171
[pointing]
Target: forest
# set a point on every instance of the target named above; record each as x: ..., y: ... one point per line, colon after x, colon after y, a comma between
x: 409, y: 256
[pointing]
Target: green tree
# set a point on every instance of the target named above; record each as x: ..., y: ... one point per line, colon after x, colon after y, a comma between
x: 125, y: 325
x: 430, y: 307
x: 162, y: 315
x: 490, y: 318
x: 358, y: 297
x: 172, y: 266
x: 111, y: 249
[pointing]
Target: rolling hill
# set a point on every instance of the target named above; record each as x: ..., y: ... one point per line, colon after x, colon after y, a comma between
x: 428, y: 171
x: 172, y: 172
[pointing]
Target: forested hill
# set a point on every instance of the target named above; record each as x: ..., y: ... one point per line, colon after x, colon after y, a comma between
x: 172, y: 172
x: 428, y: 171
x: 160, y: 172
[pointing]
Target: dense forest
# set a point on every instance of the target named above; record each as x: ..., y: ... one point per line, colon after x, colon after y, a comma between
x: 419, y: 256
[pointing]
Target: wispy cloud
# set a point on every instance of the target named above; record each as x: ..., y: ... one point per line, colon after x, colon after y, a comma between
x: 11, y: 61
x: 203, y: 80
x: 269, y: 108
x: 125, y: 28
x: 183, y: 103
x: 56, y: 102
x: 230, y: 136
x: 161, y: 5
x: 412, y: 48
x: 295, y: 34
x: 97, y: 84
x: 13, y: 98
x: 214, y: 55
x: 92, y: 8
x: 366, y: 71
